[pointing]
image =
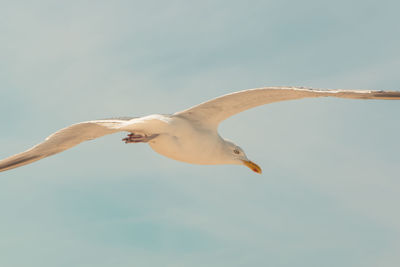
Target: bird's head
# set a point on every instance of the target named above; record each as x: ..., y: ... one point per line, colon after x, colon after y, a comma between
x: 238, y: 156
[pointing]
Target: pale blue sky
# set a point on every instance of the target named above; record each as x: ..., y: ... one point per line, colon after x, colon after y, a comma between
x: 330, y: 189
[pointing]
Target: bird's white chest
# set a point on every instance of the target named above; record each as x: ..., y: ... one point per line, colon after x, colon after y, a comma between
x: 184, y: 142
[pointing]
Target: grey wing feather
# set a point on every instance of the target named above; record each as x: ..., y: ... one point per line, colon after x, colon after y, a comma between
x: 62, y: 140
x: 214, y: 111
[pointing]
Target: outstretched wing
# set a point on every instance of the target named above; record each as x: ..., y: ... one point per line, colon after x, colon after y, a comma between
x: 63, y: 140
x: 214, y: 111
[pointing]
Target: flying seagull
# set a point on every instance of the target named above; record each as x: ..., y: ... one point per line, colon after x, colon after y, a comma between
x: 190, y: 135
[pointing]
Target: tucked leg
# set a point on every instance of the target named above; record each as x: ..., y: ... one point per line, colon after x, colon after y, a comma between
x: 138, y: 138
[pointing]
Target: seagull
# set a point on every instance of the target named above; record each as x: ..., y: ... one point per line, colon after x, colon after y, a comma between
x: 190, y: 135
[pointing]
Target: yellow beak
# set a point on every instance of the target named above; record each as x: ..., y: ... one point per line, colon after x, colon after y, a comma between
x: 254, y: 167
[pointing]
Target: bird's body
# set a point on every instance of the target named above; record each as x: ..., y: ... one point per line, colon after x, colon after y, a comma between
x: 177, y: 142
x: 190, y: 135
x: 175, y: 138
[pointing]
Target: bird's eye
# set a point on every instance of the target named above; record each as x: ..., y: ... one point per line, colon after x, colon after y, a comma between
x: 236, y: 151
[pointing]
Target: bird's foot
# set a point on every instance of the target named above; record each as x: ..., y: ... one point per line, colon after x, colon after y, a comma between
x: 134, y: 138
x: 138, y: 138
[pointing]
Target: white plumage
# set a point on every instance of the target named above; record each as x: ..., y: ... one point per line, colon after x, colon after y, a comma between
x: 190, y: 135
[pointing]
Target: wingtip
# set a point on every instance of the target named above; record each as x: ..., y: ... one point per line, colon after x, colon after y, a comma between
x: 389, y: 95
x: 8, y: 164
